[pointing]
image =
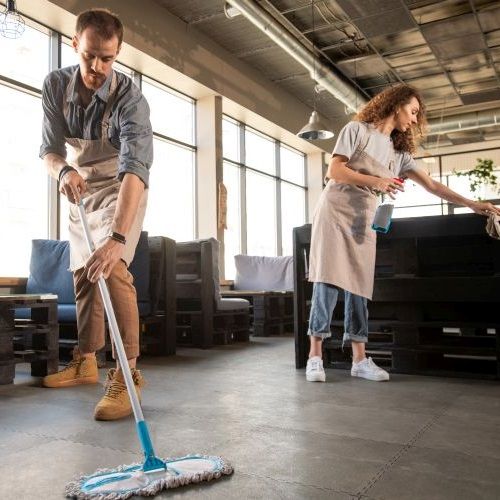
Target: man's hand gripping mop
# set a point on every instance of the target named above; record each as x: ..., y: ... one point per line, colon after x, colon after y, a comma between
x: 155, y: 474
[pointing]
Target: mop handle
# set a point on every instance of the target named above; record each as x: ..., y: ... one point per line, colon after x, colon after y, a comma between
x: 113, y: 325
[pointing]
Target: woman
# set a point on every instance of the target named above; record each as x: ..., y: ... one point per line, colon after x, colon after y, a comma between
x: 371, y: 153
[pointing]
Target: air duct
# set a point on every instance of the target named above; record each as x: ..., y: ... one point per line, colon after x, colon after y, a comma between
x: 466, y: 121
x: 320, y: 72
x: 338, y: 85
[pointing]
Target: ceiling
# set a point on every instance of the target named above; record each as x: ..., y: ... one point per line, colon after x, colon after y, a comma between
x: 449, y: 50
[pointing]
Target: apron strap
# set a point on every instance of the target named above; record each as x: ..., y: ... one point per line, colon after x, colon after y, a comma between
x: 109, y: 104
x: 392, y: 161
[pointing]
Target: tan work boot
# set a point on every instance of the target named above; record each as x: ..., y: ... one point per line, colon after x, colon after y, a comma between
x: 80, y: 370
x: 115, y: 403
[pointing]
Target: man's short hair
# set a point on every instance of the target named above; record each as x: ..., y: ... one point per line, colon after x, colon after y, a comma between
x: 103, y: 21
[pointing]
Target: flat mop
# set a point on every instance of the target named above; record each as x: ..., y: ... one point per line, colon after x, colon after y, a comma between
x: 155, y: 474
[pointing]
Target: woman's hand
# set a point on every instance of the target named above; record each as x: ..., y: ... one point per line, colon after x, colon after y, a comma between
x: 104, y: 258
x: 484, y: 208
x: 72, y: 186
x: 387, y: 186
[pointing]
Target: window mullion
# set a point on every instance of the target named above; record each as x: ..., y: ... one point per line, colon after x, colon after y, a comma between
x: 279, y: 242
x: 243, y: 192
x: 53, y: 194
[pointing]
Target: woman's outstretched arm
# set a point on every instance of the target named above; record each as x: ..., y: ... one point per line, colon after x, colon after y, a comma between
x: 432, y: 186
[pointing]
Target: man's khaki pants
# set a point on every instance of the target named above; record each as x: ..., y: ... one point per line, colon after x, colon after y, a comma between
x: 90, y: 314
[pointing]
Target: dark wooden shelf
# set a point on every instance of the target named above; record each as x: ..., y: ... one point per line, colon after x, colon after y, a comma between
x: 432, y: 273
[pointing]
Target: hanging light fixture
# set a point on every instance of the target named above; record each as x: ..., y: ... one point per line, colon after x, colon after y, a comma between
x: 230, y: 11
x: 11, y: 23
x: 314, y: 129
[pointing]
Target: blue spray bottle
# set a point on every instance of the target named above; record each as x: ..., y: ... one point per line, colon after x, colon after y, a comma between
x: 383, y: 216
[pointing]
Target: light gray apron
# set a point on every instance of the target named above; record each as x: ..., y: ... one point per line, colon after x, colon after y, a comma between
x: 97, y: 162
x: 343, y: 244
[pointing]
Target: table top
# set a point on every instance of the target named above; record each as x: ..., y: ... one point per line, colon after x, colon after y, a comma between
x: 236, y: 293
x: 19, y: 297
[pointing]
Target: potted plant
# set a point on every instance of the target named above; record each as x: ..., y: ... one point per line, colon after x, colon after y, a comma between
x: 481, y: 175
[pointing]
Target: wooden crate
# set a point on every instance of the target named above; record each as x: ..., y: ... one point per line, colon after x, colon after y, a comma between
x: 33, y: 341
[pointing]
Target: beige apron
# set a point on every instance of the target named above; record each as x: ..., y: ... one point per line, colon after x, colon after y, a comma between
x: 97, y: 162
x: 343, y: 244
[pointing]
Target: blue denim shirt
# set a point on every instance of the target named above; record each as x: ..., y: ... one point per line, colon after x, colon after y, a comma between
x: 130, y: 128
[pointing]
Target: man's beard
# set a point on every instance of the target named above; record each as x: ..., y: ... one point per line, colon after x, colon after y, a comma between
x: 93, y: 81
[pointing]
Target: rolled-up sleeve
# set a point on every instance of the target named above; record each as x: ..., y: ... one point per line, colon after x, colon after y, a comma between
x: 408, y: 164
x: 136, y: 139
x: 53, y: 124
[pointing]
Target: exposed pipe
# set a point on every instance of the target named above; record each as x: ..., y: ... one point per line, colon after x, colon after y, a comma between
x: 336, y: 84
x: 466, y: 121
x: 320, y: 72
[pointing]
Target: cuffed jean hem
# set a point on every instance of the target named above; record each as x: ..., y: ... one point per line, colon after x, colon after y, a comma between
x: 321, y: 335
x: 354, y: 338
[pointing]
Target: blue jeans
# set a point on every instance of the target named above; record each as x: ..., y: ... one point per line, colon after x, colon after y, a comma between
x: 324, y: 300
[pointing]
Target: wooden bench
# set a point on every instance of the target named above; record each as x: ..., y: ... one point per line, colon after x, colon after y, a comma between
x: 153, y: 269
x: 271, y: 313
x: 204, y: 318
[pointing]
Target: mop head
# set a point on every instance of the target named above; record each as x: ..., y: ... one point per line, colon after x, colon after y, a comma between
x: 129, y: 480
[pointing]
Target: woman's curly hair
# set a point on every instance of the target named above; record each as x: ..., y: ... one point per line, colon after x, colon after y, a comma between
x: 387, y: 103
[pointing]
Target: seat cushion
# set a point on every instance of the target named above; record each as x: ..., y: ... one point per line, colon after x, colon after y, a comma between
x: 259, y: 273
x: 66, y: 313
x: 49, y: 270
x: 232, y: 304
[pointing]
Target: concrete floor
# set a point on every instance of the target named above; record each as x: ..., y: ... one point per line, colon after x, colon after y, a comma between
x: 413, y: 437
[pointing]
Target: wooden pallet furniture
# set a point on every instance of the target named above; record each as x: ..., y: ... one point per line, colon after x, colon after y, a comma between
x: 435, y: 304
x: 204, y: 318
x: 153, y: 269
x: 33, y: 341
x: 267, y: 283
x: 271, y: 313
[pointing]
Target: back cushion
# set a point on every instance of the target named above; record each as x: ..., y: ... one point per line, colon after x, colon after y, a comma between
x: 259, y: 273
x: 49, y: 272
x: 139, y: 268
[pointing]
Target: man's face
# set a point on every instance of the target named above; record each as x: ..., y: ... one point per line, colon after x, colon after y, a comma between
x: 96, y: 56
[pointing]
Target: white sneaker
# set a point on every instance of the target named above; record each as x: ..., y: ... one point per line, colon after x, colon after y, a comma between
x: 369, y: 370
x: 314, y: 370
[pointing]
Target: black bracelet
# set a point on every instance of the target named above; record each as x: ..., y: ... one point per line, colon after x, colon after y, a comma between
x: 118, y: 237
x: 64, y: 170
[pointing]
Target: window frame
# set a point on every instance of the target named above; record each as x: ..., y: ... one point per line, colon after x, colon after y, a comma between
x: 279, y: 181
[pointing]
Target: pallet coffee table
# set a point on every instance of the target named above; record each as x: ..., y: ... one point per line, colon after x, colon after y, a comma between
x: 34, y: 340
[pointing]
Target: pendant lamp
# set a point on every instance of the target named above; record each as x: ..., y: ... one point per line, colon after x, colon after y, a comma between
x: 314, y: 129
x: 11, y: 23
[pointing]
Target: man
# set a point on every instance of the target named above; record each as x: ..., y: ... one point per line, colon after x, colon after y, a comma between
x: 98, y: 143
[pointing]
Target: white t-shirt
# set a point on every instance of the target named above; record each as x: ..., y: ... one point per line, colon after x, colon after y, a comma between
x: 379, y: 146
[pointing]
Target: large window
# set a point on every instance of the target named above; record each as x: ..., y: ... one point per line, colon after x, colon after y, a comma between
x: 24, y: 183
x: 171, y: 205
x: 266, y: 187
x: 416, y: 201
x: 27, y: 196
